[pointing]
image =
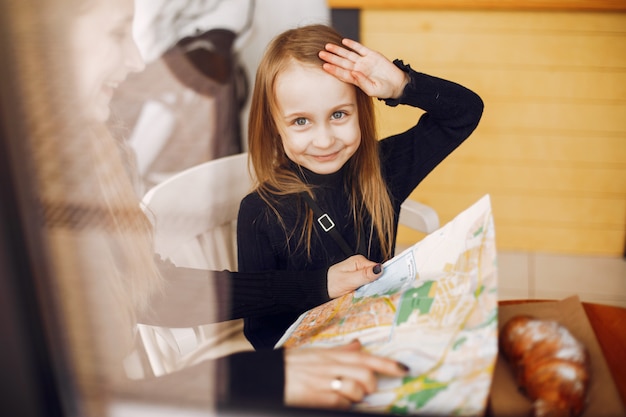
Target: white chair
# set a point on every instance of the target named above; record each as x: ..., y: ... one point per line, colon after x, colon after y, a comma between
x: 194, y: 214
x: 418, y: 216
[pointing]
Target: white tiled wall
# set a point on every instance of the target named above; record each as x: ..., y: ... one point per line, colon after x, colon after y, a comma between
x: 545, y: 276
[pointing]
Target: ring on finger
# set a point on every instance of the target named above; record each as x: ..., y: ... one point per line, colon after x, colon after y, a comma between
x: 336, y: 384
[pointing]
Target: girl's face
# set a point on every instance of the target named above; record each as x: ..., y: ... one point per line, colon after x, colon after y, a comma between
x: 317, y: 118
x: 104, y: 53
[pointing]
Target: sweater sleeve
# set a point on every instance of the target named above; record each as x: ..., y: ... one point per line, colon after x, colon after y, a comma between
x: 257, y: 294
x: 255, y: 245
x: 193, y: 297
x: 452, y: 112
x: 255, y: 380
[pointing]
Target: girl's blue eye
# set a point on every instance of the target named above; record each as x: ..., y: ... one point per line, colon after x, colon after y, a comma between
x: 300, y: 121
x: 338, y: 115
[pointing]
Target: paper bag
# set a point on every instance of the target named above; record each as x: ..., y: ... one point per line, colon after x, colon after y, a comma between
x: 604, y: 400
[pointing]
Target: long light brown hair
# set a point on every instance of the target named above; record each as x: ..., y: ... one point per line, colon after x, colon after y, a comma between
x: 368, y: 192
x: 97, y: 241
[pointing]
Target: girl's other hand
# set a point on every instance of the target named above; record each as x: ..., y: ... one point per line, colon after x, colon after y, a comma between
x: 334, y: 377
x: 350, y: 274
x: 365, y: 68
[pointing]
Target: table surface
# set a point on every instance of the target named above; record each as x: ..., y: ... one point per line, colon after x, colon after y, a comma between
x: 608, y: 323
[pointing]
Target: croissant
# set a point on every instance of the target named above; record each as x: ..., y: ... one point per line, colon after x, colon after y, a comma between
x: 550, y: 365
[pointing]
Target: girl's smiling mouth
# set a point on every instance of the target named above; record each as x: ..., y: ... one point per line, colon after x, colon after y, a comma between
x: 325, y: 158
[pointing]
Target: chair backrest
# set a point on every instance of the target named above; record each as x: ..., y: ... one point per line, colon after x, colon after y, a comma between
x: 418, y: 216
x: 195, y: 213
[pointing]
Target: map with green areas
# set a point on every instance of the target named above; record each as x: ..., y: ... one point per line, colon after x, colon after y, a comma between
x: 433, y: 309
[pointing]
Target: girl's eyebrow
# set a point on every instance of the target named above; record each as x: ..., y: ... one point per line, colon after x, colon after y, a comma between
x: 295, y: 114
x: 304, y: 113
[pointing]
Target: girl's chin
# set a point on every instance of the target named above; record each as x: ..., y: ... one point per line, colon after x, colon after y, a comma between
x: 100, y: 112
x: 324, y: 169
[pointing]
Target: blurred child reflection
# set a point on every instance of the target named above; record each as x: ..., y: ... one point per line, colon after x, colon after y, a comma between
x: 100, y: 241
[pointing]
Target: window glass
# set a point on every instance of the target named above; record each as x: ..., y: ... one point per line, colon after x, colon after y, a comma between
x: 78, y: 248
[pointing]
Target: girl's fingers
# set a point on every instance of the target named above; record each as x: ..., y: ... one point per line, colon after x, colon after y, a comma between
x: 333, y: 54
x: 342, y: 52
x: 348, y: 56
x: 339, y: 72
x: 355, y: 46
x: 340, y: 402
x: 367, y: 362
x: 333, y: 377
x: 336, y: 50
x: 351, y: 389
x: 356, y: 380
x: 385, y: 366
x: 334, y: 59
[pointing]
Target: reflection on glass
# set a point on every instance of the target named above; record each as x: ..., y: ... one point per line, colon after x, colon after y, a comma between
x: 67, y: 58
x: 98, y: 240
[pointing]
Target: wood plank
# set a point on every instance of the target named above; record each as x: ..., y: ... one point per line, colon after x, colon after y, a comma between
x: 537, y: 83
x: 545, y: 239
x: 606, y: 119
x: 569, y: 211
x: 554, y: 240
x: 558, y: 148
x: 493, y: 22
x: 524, y: 50
x: 540, y: 179
x: 588, y: 5
x: 542, y: 234
x: 593, y: 118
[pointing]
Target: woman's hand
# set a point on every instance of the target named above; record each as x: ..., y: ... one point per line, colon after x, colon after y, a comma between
x: 348, y: 275
x: 334, y: 377
x: 367, y: 69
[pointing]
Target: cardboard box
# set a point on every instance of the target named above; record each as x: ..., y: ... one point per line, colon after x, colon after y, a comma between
x: 604, y: 399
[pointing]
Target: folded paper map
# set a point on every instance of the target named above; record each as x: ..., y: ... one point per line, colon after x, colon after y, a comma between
x: 435, y: 309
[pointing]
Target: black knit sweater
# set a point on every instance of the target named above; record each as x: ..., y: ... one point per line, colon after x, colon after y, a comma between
x: 452, y: 112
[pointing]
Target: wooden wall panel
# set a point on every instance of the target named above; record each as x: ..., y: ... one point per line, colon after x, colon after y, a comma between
x: 551, y: 147
x: 574, y: 5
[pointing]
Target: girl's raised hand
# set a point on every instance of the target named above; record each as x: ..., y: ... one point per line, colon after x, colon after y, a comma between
x: 365, y: 68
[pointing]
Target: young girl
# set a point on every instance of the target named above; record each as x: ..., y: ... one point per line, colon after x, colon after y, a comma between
x: 326, y: 187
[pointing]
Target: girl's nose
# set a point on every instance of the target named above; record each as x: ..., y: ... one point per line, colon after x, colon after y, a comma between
x: 324, y: 137
x: 134, y: 61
